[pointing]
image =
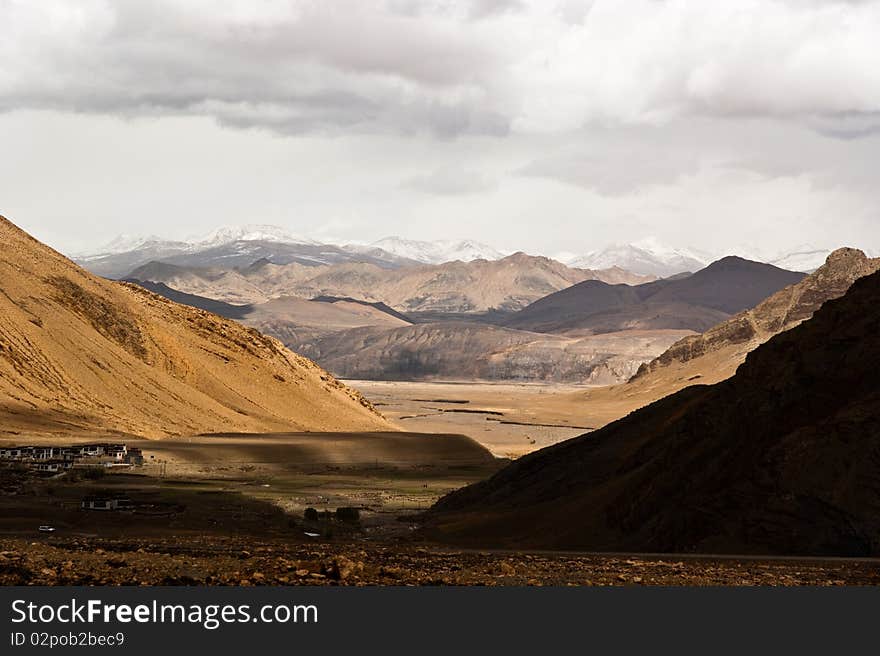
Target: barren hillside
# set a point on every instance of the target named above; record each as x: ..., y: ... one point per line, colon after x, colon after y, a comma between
x: 81, y: 354
x: 715, y: 354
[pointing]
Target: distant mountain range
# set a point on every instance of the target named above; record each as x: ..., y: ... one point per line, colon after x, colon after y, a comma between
x: 551, y: 322
x: 650, y: 257
x: 508, y: 284
x: 240, y: 246
x: 230, y: 248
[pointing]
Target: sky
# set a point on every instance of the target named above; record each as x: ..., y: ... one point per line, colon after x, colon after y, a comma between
x: 537, y: 125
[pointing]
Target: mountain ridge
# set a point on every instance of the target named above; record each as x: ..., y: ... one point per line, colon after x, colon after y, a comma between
x: 695, y: 302
x: 477, y: 286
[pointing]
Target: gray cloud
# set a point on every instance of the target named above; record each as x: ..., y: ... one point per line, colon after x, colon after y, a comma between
x: 451, y: 182
x: 312, y: 66
x: 444, y: 68
x: 848, y: 134
x: 613, y: 172
x: 485, y: 8
x: 849, y: 126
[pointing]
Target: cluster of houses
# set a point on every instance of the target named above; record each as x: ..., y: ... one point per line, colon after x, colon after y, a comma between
x: 107, y: 503
x: 56, y: 459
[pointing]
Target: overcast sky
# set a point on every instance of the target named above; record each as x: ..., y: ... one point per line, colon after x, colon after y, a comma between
x: 538, y: 125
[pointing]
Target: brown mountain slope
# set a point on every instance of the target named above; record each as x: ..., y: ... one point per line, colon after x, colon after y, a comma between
x: 470, y: 287
x: 81, y: 354
x: 782, y: 458
x: 715, y: 354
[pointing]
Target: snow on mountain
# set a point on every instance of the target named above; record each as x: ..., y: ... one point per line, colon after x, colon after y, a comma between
x: 125, y: 243
x: 253, y: 232
x: 437, y: 252
x: 806, y: 261
x: 805, y: 258
x: 647, y: 257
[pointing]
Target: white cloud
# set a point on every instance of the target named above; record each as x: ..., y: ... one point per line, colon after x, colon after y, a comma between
x: 649, y: 61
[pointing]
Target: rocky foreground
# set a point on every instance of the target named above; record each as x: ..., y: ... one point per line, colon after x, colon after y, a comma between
x: 221, y: 561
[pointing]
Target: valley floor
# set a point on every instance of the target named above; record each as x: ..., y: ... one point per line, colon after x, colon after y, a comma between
x: 509, y: 419
x: 228, y: 510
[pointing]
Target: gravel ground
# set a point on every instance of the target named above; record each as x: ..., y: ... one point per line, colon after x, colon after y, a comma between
x: 230, y: 561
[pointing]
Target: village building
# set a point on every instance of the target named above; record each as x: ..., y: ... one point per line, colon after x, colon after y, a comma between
x: 60, y: 458
x: 106, y: 503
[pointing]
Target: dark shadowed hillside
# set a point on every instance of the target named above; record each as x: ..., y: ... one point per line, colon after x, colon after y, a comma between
x: 694, y: 302
x: 227, y: 310
x: 782, y: 458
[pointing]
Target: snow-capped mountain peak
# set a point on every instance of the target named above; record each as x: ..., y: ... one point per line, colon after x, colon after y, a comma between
x: 125, y: 243
x: 646, y: 257
x: 667, y: 252
x: 803, y: 257
x: 437, y: 252
x: 252, y: 232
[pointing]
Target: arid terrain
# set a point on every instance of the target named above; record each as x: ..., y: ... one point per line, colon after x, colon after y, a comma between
x: 268, y: 470
x: 481, y: 352
x: 508, y: 419
x: 518, y: 318
x: 242, y: 483
x: 82, y: 354
x: 229, y: 511
x: 507, y: 284
x: 261, y: 561
x: 715, y: 355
